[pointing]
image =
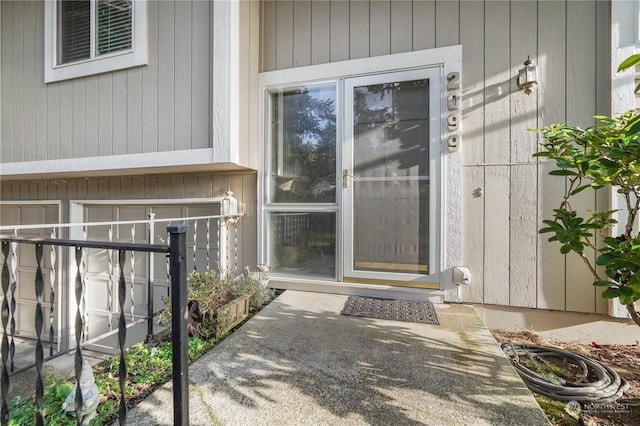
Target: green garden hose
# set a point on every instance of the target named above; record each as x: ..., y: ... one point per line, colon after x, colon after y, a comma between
x: 601, y: 384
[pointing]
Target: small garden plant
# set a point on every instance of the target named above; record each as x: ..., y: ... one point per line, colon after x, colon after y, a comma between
x: 149, y: 365
x: 207, y: 292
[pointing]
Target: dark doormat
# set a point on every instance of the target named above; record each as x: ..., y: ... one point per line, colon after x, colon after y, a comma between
x: 398, y: 310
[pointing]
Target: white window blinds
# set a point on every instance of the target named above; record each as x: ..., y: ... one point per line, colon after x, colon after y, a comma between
x: 74, y: 31
x: 114, y: 26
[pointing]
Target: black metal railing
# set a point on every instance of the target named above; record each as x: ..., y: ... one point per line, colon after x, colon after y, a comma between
x: 176, y: 252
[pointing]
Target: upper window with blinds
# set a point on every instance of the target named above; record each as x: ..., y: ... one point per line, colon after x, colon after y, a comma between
x: 86, y: 37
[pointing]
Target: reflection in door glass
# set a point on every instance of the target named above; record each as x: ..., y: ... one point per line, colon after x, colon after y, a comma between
x: 303, y: 243
x: 303, y: 147
x: 391, y: 184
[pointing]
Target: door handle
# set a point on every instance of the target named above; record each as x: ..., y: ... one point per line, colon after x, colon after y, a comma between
x: 345, y: 178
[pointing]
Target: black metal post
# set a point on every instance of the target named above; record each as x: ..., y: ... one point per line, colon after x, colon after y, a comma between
x: 179, y: 332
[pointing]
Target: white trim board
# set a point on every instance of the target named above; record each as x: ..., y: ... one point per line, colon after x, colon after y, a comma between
x: 116, y: 164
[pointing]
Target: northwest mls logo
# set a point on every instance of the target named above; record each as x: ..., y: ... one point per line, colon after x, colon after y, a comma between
x: 573, y: 408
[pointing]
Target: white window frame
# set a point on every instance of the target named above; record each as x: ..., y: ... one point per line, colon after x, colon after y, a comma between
x: 136, y: 56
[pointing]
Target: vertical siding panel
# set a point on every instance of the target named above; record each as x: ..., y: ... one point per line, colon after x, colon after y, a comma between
x: 524, y: 236
x: 32, y: 79
x: 249, y: 222
x: 380, y: 28
x: 358, y: 29
x: 150, y: 105
x: 603, y: 57
x: 104, y: 190
x: 497, y: 144
x: 200, y: 71
x: 66, y: 117
x: 113, y: 185
x: 151, y: 187
x: 164, y: 187
x: 301, y: 33
x: 52, y: 150
x: 61, y: 190
x: 401, y: 26
x: 120, y: 119
x: 93, y: 190
x: 268, y: 32
x: 177, y: 187
x: 523, y: 224
x: 78, y: 134
x: 581, y: 107
x: 603, y: 97
x: 284, y: 35
x: 166, y: 77
x: 339, y: 30
x: 82, y: 189
x: 551, y: 70
x: 471, y: 23
x: 126, y: 188
x: 205, y: 186
x: 134, y: 118
x: 17, y: 110
x: 91, y: 117
x: 182, y: 68
x: 320, y: 31
x: 523, y: 107
x: 424, y: 24
x: 40, y: 147
x: 105, y: 114
x: 498, y: 83
x: 190, y: 183
x: 137, y: 185
x: 52, y: 190
x: 447, y: 23
x: 496, y: 244
x: 6, y: 149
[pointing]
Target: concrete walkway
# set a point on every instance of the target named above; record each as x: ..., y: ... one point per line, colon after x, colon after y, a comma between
x: 299, y: 362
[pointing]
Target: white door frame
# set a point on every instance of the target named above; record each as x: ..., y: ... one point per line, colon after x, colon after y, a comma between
x: 448, y: 60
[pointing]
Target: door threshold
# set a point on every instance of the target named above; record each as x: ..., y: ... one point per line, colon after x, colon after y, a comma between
x: 359, y: 289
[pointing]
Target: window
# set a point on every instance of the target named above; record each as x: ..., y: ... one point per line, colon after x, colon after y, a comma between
x: 86, y: 37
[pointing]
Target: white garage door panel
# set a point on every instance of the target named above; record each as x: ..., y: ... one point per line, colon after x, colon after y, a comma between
x: 97, y: 264
x: 26, y: 213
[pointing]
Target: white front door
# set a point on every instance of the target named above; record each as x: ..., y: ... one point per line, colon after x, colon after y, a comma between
x: 391, y: 177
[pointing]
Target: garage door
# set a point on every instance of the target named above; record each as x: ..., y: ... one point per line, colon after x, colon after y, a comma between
x: 25, y: 267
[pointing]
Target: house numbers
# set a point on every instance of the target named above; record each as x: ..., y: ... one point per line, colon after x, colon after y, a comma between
x: 453, y: 107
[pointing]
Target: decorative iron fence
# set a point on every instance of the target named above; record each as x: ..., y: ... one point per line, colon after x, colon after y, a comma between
x: 60, y: 312
x: 176, y: 252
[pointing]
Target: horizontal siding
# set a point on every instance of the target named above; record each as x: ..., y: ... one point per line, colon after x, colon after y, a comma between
x: 164, y: 106
x: 506, y: 192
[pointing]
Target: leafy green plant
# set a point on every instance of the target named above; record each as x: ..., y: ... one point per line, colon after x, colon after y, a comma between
x: 255, y: 284
x: 22, y: 411
x: 207, y: 293
x: 606, y: 155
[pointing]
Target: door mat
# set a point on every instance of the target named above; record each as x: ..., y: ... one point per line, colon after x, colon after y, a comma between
x: 397, y: 310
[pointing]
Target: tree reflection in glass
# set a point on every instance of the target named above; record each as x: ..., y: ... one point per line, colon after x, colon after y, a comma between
x: 303, y: 155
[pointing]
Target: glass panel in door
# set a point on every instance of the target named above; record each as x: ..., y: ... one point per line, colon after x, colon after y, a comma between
x: 389, y: 197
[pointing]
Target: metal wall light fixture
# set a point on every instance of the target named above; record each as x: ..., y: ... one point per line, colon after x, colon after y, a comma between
x: 527, y: 76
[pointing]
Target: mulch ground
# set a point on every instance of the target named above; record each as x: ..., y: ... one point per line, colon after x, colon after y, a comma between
x: 624, y: 359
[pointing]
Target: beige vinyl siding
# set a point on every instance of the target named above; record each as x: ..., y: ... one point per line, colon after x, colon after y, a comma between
x: 510, y: 263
